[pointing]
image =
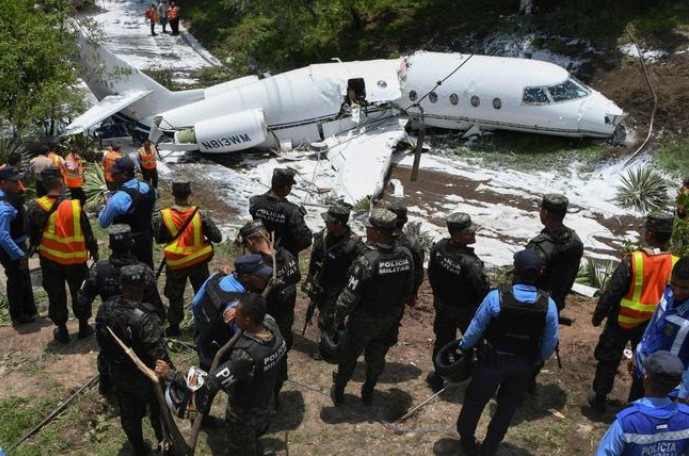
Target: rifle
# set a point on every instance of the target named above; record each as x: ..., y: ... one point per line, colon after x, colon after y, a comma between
x: 314, y: 291
x: 179, y: 233
x: 565, y: 321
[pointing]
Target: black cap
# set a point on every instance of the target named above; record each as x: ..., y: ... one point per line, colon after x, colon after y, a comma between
x: 250, y: 228
x: 282, y: 177
x: 252, y: 264
x: 555, y: 202
x: 528, y: 264
x: 133, y: 275
x: 338, y: 212
x: 51, y: 174
x: 181, y: 187
x: 120, y: 235
x: 660, y: 222
x: 460, y: 222
x: 400, y: 211
x: 10, y: 173
x: 123, y: 165
x: 382, y: 219
x: 664, y: 368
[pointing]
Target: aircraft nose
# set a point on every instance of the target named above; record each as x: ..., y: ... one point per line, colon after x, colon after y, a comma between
x: 599, y: 115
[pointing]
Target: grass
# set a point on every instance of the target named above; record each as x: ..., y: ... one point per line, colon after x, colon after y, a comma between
x: 673, y: 157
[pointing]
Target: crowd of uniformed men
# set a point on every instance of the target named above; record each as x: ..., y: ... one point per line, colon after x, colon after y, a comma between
x: 360, y: 289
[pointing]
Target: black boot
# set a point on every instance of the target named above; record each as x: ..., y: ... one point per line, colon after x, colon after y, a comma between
x: 337, y: 392
x: 85, y: 329
x: 367, y: 393
x: 61, y: 334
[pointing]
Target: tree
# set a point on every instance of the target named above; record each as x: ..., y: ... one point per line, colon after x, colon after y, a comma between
x: 38, y: 83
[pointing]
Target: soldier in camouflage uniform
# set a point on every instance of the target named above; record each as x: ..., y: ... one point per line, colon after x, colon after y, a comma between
x: 560, y: 248
x: 380, y: 282
x: 403, y: 240
x: 249, y: 377
x: 459, y: 284
x: 138, y: 326
x: 104, y: 281
x: 626, y: 307
x: 280, y: 216
x: 334, y: 249
x: 197, y: 271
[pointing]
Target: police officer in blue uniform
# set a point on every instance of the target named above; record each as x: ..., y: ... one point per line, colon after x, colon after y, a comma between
x: 653, y: 425
x: 667, y: 330
x: 133, y: 205
x: 519, y: 323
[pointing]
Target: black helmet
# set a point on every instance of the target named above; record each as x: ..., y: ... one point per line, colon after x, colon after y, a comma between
x: 184, y: 403
x: 333, y: 346
x: 453, y: 364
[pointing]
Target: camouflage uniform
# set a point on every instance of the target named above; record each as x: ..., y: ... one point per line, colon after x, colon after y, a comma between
x: 379, y: 283
x: 176, y: 279
x: 335, y: 256
x: 282, y: 298
x: 138, y: 326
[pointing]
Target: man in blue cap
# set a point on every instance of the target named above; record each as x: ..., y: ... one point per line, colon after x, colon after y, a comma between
x: 214, y: 306
x: 132, y: 205
x: 652, y: 425
x: 519, y: 323
x: 13, y: 252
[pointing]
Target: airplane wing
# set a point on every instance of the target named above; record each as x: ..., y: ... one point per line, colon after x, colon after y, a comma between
x: 361, y: 159
x: 104, y: 109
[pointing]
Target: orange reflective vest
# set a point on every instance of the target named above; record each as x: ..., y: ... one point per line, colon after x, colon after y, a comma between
x: 650, y: 275
x: 73, y: 171
x: 191, y: 246
x: 62, y: 240
x: 108, y: 161
x: 172, y: 13
x: 147, y: 157
x: 57, y: 160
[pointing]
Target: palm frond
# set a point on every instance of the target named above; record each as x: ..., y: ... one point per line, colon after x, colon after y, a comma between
x: 642, y: 189
x: 94, y: 185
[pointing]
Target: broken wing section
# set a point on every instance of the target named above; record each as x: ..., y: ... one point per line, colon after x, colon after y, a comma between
x: 361, y: 159
x: 112, y: 104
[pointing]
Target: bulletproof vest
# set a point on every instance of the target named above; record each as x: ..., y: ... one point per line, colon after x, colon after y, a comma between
x: 282, y: 296
x: 520, y: 326
x: 387, y: 289
x: 108, y: 275
x: 275, y: 214
x: 141, y: 211
x: 126, y: 322
x: 337, y: 261
x: 451, y: 284
x: 562, y: 249
x: 268, y: 361
x: 210, y: 324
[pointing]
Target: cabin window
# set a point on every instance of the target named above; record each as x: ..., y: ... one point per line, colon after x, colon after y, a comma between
x: 475, y: 101
x: 568, y: 90
x: 497, y: 103
x: 535, y: 96
x: 454, y: 99
x: 433, y: 97
x: 412, y: 95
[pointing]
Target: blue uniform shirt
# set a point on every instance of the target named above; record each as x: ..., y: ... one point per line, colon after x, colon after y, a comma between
x: 228, y: 283
x: 490, y: 308
x: 667, y: 330
x: 616, y: 442
x: 120, y: 203
x: 7, y: 214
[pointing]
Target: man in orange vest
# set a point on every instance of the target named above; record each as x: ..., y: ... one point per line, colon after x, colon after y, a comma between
x: 60, y: 231
x: 73, y: 174
x: 111, y: 154
x: 173, y: 18
x: 147, y: 162
x: 187, y: 252
x: 628, y: 302
x: 151, y: 15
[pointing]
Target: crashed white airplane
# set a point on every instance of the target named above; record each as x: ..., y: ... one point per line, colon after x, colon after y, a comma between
x: 350, y: 107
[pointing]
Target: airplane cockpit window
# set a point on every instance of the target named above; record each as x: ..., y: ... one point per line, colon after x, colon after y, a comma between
x: 454, y: 99
x: 568, y: 90
x: 535, y: 96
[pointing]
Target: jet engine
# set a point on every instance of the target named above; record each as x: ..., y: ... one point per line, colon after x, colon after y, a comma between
x: 229, y: 133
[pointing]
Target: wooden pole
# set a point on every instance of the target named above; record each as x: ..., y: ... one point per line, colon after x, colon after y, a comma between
x: 417, y: 151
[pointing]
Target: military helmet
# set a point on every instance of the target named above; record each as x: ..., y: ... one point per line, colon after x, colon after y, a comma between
x: 334, y: 346
x: 453, y: 364
x: 183, y: 400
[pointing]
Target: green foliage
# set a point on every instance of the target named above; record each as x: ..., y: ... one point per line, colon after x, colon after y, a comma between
x: 679, y: 244
x: 98, y: 429
x: 37, y: 82
x: 364, y: 204
x: 418, y: 239
x: 595, y: 273
x: 20, y: 415
x: 673, y: 156
x: 94, y: 185
x: 642, y: 189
